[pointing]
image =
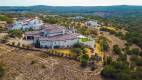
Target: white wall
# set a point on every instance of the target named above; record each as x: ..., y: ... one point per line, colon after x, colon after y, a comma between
x: 67, y: 43
x: 52, y: 34
x: 34, y: 24
x: 89, y: 43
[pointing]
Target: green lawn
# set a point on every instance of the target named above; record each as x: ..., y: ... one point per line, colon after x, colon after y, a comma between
x: 84, y: 39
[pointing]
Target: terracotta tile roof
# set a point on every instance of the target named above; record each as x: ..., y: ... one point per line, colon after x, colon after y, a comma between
x: 52, y: 28
x: 59, y: 37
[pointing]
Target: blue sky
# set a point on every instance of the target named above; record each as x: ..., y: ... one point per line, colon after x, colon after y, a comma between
x: 69, y: 2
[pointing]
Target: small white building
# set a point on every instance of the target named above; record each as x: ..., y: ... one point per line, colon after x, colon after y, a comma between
x: 28, y: 24
x: 93, y: 23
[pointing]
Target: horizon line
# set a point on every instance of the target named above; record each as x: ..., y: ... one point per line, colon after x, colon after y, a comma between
x: 66, y: 6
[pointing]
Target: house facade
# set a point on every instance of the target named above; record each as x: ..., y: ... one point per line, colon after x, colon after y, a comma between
x: 55, y: 36
x: 93, y: 23
x: 26, y: 24
x: 58, y: 42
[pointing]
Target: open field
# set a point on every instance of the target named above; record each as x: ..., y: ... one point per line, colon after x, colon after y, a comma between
x: 34, y: 65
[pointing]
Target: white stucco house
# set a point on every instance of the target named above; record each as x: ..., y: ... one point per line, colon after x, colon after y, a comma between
x: 93, y: 23
x: 54, y: 36
x: 25, y: 24
x: 60, y: 41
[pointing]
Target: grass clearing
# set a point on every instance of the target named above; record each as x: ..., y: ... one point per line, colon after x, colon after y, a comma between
x: 69, y: 51
x: 65, y: 51
x: 98, y: 50
x: 111, y: 28
x: 18, y: 66
x: 88, y: 51
x: 84, y: 39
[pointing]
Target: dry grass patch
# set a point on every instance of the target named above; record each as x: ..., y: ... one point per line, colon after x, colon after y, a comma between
x: 29, y: 65
x: 111, y: 28
x: 64, y: 51
x: 98, y: 50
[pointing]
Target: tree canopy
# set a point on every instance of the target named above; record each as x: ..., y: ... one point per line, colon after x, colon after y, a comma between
x: 15, y: 33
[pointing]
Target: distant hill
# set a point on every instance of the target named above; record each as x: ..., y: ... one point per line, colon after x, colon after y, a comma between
x: 71, y: 9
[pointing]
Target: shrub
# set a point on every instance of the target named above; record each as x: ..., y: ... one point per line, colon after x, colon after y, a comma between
x: 84, y: 60
x: 6, y: 18
x: 120, y: 35
x: 123, y: 57
x: 15, y: 33
x: 104, y: 45
x: 2, y: 71
x: 18, y: 45
x: 23, y: 45
x: 33, y: 62
x: 117, y: 49
x: 134, y: 51
x: 13, y: 43
x: 134, y: 37
x: 77, y: 51
x: 108, y: 60
x: 138, y: 62
x: 107, y: 30
x: 43, y: 66
x: 116, y: 71
x: 93, y: 68
x: 5, y: 39
x: 28, y: 47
